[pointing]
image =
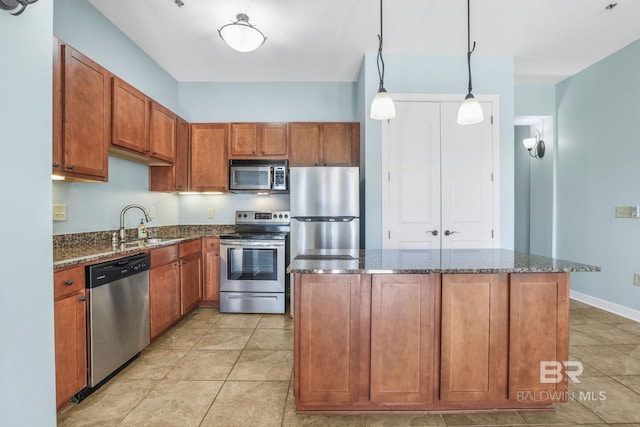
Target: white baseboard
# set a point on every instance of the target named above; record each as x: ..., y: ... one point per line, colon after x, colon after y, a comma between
x: 618, y: 309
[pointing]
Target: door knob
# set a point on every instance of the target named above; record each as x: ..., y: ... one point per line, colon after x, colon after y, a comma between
x: 434, y: 232
x: 449, y: 233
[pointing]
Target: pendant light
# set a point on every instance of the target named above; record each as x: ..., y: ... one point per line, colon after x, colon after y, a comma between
x: 241, y: 35
x: 470, y: 111
x: 382, y: 107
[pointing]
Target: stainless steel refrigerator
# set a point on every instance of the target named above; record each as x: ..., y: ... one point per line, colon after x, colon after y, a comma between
x: 325, y: 209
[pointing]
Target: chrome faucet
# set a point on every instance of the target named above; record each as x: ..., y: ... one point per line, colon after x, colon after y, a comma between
x: 122, y: 232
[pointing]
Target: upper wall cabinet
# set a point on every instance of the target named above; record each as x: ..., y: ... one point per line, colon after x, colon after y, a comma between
x: 81, y: 115
x: 208, y: 159
x: 173, y: 178
x: 258, y: 140
x: 324, y: 144
x: 142, y: 130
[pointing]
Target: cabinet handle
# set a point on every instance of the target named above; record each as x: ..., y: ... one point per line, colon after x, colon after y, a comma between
x: 449, y: 233
x: 147, y: 150
x: 434, y: 232
x: 153, y: 153
x: 68, y: 282
x: 70, y: 167
x: 213, y: 245
x: 56, y: 164
x: 83, y: 298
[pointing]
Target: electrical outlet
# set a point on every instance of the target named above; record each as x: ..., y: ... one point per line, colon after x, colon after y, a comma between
x: 624, y: 211
x: 152, y: 212
x: 59, y: 212
x: 210, y: 213
x: 636, y: 279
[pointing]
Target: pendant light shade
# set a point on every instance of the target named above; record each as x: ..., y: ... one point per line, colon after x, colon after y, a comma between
x: 382, y: 107
x: 241, y: 35
x: 470, y: 111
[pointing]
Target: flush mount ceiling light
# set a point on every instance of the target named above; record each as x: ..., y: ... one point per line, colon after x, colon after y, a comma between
x: 242, y: 36
x: 470, y: 111
x: 382, y: 107
x: 13, y: 4
x: 535, y: 146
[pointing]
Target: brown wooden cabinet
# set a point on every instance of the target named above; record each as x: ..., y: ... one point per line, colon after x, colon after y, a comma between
x: 176, y: 177
x: 474, y: 337
x: 402, y: 338
x: 70, y: 312
x: 208, y: 159
x: 190, y: 275
x: 142, y: 130
x: 258, y: 140
x: 324, y: 144
x: 164, y: 289
x: 328, y: 363
x: 539, y: 331
x: 81, y: 115
x: 211, y: 269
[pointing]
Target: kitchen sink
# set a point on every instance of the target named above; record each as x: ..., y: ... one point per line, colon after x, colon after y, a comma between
x: 146, y: 242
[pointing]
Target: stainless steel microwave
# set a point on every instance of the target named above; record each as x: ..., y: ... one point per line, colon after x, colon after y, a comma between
x: 255, y: 176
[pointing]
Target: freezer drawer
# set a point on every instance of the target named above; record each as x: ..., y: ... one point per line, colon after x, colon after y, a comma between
x: 251, y: 302
x: 324, y: 235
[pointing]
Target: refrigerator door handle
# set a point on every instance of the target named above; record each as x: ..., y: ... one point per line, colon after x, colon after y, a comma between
x: 325, y: 218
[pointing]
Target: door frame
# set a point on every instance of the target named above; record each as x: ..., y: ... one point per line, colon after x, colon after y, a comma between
x: 494, y: 100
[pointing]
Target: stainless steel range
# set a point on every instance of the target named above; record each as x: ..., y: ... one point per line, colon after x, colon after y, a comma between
x: 253, y: 262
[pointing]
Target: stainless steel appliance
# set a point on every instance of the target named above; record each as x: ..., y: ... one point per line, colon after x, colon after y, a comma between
x: 325, y: 209
x: 253, y: 262
x: 118, y: 292
x: 253, y: 176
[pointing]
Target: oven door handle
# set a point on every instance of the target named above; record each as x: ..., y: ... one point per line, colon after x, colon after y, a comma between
x: 253, y: 243
x: 253, y: 297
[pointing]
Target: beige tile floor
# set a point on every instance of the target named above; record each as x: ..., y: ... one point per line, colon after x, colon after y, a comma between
x: 217, y: 369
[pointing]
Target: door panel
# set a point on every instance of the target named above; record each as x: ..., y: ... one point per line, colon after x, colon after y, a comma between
x: 414, y: 177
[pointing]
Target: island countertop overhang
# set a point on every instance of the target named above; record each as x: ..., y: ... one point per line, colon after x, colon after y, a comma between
x: 426, y: 261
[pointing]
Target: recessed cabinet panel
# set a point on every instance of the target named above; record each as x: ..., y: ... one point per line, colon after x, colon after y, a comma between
x: 130, y: 117
x: 209, y: 164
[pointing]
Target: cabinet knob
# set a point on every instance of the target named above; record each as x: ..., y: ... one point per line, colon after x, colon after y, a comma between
x: 147, y: 150
x: 213, y: 245
x: 68, y: 282
x: 83, y: 298
x: 56, y: 164
x: 153, y: 153
x: 70, y: 167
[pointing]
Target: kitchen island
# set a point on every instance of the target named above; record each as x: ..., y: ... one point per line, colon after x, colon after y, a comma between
x: 430, y: 330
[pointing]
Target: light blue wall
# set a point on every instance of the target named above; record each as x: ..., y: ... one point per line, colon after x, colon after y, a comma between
x: 522, y: 170
x: 535, y: 100
x: 446, y: 75
x: 27, y: 379
x: 598, y: 169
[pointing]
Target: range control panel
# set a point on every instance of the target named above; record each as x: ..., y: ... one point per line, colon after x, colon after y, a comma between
x: 263, y: 217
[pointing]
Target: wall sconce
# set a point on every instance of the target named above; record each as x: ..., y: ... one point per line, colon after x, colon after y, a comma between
x: 535, y: 146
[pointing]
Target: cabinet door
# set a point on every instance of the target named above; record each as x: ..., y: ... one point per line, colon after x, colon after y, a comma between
x: 162, y: 133
x: 164, y: 297
x: 86, y: 116
x: 190, y: 282
x: 130, y: 128
x: 402, y: 337
x: 539, y: 332
x: 209, y: 164
x: 56, y: 164
x: 70, y: 316
x: 305, y: 140
x: 176, y: 177
x: 211, y: 285
x: 328, y: 350
x: 273, y: 140
x: 337, y: 145
x: 474, y: 337
x: 244, y: 140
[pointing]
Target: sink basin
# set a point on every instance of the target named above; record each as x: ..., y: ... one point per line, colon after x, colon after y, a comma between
x: 145, y: 242
x: 155, y: 240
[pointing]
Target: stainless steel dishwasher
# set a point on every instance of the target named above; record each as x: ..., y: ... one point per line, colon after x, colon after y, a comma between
x: 118, y: 314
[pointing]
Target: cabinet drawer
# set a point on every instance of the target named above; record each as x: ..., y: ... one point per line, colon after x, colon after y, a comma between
x: 164, y: 255
x: 66, y: 282
x: 189, y: 248
x: 211, y: 244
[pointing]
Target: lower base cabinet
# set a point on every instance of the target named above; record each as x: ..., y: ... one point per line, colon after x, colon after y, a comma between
x: 70, y: 314
x: 190, y: 275
x: 164, y: 289
x: 211, y: 272
x: 430, y: 342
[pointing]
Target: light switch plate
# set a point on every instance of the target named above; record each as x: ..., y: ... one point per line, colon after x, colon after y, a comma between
x: 624, y: 211
x: 59, y: 212
x: 210, y: 213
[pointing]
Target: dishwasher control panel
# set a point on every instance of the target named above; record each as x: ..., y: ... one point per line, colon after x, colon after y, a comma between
x: 116, y: 269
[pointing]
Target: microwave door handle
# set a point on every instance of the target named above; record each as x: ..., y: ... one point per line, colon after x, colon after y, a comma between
x: 271, y: 176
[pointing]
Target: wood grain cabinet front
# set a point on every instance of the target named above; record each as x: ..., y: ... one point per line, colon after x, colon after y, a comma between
x: 70, y: 317
x: 190, y: 275
x: 211, y: 270
x: 258, y: 140
x: 81, y: 115
x: 173, y: 178
x: 208, y: 159
x: 324, y: 144
x: 164, y: 289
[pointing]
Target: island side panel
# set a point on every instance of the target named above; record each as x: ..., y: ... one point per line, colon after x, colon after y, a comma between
x: 327, y: 339
x: 539, y: 333
x: 402, y: 339
x: 474, y: 337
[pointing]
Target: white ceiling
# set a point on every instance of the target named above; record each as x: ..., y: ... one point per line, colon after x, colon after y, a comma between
x: 325, y: 40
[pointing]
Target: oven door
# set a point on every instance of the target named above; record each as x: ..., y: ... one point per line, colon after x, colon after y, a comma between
x: 252, y: 265
x: 250, y: 177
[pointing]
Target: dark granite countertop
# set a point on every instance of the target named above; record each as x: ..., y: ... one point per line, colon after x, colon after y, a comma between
x: 416, y: 261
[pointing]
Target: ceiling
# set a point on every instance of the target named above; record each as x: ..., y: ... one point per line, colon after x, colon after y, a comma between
x: 322, y: 41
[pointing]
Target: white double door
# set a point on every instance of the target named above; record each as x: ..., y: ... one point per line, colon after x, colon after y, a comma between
x: 438, y: 178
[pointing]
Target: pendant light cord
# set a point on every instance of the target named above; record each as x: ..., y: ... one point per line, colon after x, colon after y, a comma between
x: 469, y: 48
x: 380, y: 61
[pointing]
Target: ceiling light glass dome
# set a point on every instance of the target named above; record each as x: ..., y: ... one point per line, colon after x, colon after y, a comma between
x: 241, y: 35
